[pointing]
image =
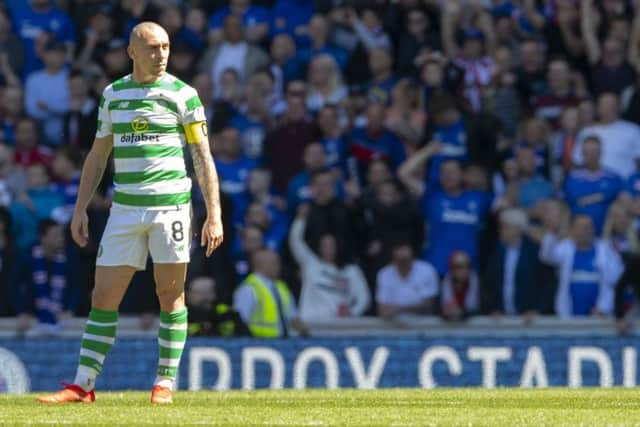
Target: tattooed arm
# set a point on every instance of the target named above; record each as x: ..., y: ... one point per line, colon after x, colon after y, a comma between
x: 92, y: 171
x: 212, y: 233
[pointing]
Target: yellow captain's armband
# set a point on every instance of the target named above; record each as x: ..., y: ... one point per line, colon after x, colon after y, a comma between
x: 196, y: 132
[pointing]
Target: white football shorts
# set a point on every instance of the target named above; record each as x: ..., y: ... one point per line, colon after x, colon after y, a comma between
x: 132, y: 233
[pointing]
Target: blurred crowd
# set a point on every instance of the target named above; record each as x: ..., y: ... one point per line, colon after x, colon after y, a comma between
x: 380, y: 157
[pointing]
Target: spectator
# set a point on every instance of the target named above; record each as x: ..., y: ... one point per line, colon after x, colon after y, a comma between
x: 47, y: 93
x: 588, y: 269
x: 50, y: 275
x: 512, y: 275
x: 368, y: 28
x: 100, y: 29
x: 325, y: 83
x: 374, y: 141
x: 232, y: 52
x: 255, y: 119
x: 505, y: 102
x: 299, y: 189
x: 460, y: 289
x: 251, y: 239
x: 453, y: 215
x: 591, y: 190
x: 80, y: 120
x: 292, y: 17
x: 333, y: 139
x: 264, y: 302
x: 407, y: 285
x: 254, y: 18
x: 620, y: 140
x: 286, y: 64
x: 66, y: 168
x: 534, y: 133
x: 563, y: 141
x: 12, y: 109
x: 286, y: 142
x: 183, y: 60
x: 620, y: 231
x: 207, y: 317
x: 390, y: 215
x: 404, y: 117
x: 274, y: 231
x: 233, y: 168
x: 531, y: 187
x: 27, y: 150
x: 37, y: 203
x: 219, y: 112
x: 418, y: 37
x: 609, y: 72
x: 561, y: 93
x: 382, y: 77
x: 31, y: 20
x: 449, y: 131
x: 531, y: 75
x: 329, y: 215
x: 319, y: 34
x: 332, y: 286
x: 474, y: 52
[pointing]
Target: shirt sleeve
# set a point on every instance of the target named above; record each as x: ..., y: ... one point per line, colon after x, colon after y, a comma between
x: 193, y: 109
x: 103, y: 127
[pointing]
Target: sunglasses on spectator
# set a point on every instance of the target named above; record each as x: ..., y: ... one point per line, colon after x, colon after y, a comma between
x: 299, y: 93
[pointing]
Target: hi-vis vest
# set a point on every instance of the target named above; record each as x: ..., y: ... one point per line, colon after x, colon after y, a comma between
x: 265, y: 318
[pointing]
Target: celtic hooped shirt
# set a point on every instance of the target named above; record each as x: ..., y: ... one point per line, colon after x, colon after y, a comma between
x: 147, y: 123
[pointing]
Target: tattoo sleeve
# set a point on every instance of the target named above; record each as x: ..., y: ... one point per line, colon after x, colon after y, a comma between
x: 207, y: 176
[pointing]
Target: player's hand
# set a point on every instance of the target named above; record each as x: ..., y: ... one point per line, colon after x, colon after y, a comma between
x: 212, y: 235
x: 80, y: 228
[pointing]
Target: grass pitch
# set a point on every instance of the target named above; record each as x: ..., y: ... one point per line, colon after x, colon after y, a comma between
x: 389, y: 407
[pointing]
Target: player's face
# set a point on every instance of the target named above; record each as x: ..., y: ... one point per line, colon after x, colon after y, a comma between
x: 150, y: 52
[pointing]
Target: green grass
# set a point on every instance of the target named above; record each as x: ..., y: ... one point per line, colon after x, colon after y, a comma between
x: 390, y: 407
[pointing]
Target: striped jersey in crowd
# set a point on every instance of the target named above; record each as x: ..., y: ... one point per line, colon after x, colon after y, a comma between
x: 147, y: 123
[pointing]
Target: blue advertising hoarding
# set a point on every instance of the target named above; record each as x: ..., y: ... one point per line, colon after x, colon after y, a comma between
x: 209, y: 363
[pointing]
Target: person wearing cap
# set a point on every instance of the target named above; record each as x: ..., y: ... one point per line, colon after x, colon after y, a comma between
x: 47, y: 93
x: 471, y: 48
x: 511, y: 275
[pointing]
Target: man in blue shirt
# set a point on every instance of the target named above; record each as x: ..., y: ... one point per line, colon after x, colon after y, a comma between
x: 255, y: 20
x: 292, y: 17
x: 319, y: 35
x: 333, y: 140
x: 36, y: 18
x: 450, y: 132
x: 253, y: 122
x: 592, y: 189
x: 233, y: 170
x: 374, y: 141
x: 454, y: 216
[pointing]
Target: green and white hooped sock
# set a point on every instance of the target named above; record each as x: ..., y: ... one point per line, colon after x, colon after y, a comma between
x: 99, y: 335
x: 172, y: 336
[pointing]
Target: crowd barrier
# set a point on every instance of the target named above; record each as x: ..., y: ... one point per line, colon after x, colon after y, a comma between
x: 334, y: 362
